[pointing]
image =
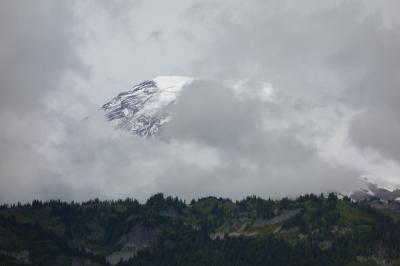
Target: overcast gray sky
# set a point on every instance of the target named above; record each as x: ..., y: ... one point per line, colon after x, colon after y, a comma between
x: 291, y: 97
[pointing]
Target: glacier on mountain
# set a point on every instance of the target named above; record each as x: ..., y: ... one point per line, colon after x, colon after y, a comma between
x: 142, y: 110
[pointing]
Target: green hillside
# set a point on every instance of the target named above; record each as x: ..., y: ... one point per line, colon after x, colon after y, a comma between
x: 309, y: 230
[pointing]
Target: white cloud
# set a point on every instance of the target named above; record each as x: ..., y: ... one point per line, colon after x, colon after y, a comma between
x: 308, y: 68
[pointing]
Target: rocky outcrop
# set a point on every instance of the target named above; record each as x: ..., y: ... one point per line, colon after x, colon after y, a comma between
x: 138, y: 238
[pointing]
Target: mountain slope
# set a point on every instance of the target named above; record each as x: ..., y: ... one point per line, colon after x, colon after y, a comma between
x: 142, y: 110
x: 309, y: 230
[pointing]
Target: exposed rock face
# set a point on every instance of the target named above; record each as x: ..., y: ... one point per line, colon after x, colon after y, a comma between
x: 143, y: 110
x: 248, y: 228
x: 377, y: 197
x: 286, y: 215
x: 137, y: 239
x: 374, y: 191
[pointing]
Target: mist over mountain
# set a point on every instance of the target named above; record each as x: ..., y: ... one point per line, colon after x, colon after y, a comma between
x: 300, y: 98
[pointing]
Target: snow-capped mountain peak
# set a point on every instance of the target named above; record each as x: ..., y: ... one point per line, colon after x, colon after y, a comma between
x: 142, y: 109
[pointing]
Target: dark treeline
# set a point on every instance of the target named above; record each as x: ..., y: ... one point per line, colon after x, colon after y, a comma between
x: 308, y: 230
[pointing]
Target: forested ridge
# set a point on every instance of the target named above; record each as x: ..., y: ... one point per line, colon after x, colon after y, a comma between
x: 307, y: 230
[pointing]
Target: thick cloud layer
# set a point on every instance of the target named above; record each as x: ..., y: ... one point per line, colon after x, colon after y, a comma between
x: 37, y: 49
x: 342, y: 55
x: 297, y: 96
